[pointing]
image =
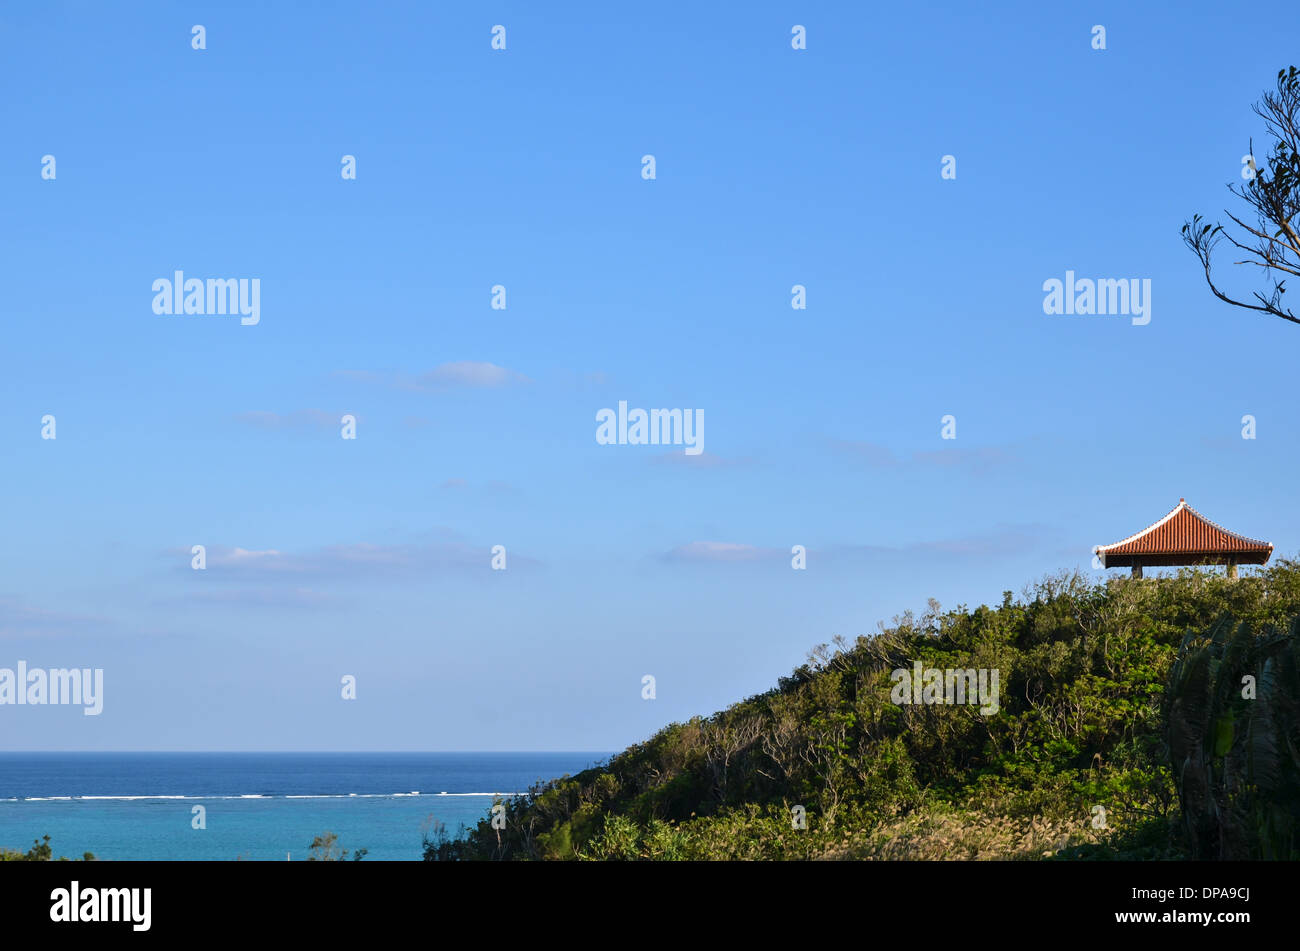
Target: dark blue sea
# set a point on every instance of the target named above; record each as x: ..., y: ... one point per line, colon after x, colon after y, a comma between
x: 257, y: 805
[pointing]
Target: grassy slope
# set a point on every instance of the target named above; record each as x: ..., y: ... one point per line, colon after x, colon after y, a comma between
x: 1081, y: 726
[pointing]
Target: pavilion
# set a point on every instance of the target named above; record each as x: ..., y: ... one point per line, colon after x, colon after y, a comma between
x: 1184, y: 537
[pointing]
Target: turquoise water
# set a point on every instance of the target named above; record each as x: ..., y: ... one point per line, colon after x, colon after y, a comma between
x: 257, y: 805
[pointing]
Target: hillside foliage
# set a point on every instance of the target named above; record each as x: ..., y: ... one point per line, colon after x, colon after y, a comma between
x: 1074, y: 764
x: 41, y: 851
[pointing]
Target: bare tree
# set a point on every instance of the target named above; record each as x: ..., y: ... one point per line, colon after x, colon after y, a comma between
x: 723, y: 741
x: 1272, y: 193
x: 326, y: 848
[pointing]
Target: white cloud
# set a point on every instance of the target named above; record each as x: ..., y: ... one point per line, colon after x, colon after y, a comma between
x: 351, y: 560
x: 18, y: 619
x: 720, y: 552
x: 471, y: 373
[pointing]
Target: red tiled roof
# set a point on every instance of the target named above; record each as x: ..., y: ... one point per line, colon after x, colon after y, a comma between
x: 1184, y: 533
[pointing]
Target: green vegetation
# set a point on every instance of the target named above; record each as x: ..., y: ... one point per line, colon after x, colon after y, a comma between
x: 1234, y: 738
x: 39, y: 852
x: 1075, y: 764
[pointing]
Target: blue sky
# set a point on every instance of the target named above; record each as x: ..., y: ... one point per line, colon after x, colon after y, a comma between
x: 476, y: 427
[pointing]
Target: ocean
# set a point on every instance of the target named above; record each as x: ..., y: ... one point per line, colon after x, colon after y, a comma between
x: 260, y: 806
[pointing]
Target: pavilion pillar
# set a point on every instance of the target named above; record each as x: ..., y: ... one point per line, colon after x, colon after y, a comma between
x: 1137, y: 571
x: 1232, y: 569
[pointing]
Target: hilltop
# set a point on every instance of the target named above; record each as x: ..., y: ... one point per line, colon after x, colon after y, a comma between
x: 1074, y: 761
